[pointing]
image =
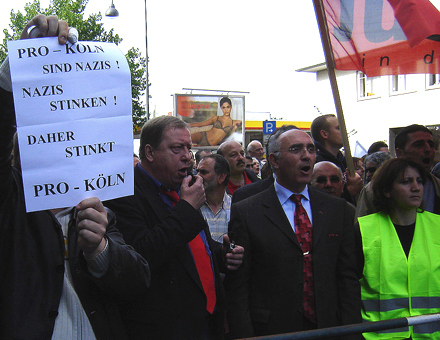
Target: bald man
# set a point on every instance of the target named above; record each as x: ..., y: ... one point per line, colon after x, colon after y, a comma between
x: 327, y: 177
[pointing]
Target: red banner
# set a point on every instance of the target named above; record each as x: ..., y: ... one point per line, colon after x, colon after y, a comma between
x: 384, y: 37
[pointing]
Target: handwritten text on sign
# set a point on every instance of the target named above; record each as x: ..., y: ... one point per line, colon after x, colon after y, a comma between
x: 73, y: 109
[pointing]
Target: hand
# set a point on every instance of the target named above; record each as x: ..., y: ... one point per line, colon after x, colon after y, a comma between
x: 354, y: 184
x: 91, y: 224
x: 194, y: 194
x: 234, y: 257
x: 49, y: 27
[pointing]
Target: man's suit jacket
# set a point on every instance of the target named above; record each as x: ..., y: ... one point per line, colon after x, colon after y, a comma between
x: 175, y: 305
x: 251, y: 189
x: 265, y: 295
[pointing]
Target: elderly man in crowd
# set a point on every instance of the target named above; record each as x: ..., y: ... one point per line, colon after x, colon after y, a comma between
x: 240, y: 175
x: 299, y: 272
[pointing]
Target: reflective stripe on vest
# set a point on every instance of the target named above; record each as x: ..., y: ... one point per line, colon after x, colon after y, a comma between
x: 394, y: 286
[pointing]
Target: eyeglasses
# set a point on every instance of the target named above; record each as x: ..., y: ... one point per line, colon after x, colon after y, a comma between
x: 323, y: 179
x: 296, y: 149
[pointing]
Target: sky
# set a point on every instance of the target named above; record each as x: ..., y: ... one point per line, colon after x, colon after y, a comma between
x: 252, y: 46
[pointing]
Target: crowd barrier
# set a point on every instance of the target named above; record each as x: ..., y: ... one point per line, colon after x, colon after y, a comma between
x: 324, y: 333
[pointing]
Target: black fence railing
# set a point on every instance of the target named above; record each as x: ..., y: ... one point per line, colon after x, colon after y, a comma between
x: 353, y: 329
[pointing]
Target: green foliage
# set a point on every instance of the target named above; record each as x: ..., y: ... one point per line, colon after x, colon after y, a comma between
x: 137, y: 66
x: 89, y: 29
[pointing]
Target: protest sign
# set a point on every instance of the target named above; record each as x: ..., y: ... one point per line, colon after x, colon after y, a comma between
x: 74, y: 126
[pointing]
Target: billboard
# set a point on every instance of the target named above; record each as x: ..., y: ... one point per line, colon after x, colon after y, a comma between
x: 212, y: 119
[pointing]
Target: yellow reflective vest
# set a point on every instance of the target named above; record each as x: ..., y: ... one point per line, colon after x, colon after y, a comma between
x: 394, y: 286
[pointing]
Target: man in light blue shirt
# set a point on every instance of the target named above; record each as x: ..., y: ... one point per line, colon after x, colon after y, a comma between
x: 214, y: 169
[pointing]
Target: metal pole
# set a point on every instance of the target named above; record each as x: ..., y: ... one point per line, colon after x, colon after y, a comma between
x: 323, y: 30
x: 146, y: 53
x: 355, y: 329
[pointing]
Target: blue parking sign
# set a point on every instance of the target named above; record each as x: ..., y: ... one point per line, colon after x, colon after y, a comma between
x: 269, y: 126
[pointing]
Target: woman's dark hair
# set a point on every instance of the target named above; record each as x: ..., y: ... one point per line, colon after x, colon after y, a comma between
x: 384, y: 177
x: 225, y: 100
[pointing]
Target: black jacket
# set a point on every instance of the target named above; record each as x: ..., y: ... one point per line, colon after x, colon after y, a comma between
x: 175, y: 307
x: 32, y: 255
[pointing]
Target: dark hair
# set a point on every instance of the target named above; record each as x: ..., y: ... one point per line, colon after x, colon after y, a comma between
x: 225, y: 100
x: 384, y: 177
x: 152, y: 131
x: 16, y: 161
x: 318, y: 124
x: 356, y: 160
x: 402, y: 136
x: 199, y: 152
x: 273, y: 138
x: 376, y: 146
x: 221, y: 166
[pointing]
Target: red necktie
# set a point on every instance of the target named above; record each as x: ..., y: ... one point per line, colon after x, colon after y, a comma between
x: 201, y: 259
x: 303, y: 230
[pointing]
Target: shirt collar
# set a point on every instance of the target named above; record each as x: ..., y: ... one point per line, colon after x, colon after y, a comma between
x: 156, y: 183
x: 284, y: 194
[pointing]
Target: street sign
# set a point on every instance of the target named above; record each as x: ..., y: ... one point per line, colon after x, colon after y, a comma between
x: 269, y: 126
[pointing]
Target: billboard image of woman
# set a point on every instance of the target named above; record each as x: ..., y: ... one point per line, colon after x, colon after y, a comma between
x: 207, y: 126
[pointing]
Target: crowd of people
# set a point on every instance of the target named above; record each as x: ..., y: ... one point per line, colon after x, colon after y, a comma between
x: 226, y: 243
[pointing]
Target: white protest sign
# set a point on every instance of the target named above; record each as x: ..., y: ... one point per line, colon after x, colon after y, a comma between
x: 74, y: 126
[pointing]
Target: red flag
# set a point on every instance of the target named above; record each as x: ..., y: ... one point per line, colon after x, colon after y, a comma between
x: 384, y: 37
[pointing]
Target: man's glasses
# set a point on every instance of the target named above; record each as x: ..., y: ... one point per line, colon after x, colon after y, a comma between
x: 296, y: 149
x: 323, y: 179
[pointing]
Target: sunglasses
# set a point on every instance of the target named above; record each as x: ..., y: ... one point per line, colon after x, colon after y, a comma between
x: 323, y: 179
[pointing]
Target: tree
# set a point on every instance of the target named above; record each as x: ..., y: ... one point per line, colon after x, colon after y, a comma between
x: 138, y: 85
x: 89, y: 29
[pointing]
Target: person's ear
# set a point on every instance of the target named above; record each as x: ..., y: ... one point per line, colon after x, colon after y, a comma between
x: 399, y: 152
x: 273, y: 159
x: 221, y: 178
x: 149, y: 152
x: 324, y: 134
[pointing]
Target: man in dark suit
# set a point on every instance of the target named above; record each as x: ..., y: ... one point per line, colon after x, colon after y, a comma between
x: 185, y: 300
x: 252, y: 189
x: 281, y: 286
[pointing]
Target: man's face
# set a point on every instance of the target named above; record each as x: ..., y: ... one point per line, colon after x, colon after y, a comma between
x: 327, y: 177
x: 171, y: 159
x: 206, y: 171
x: 257, y: 150
x: 334, y: 133
x: 294, y: 163
x: 234, y: 154
x: 420, y: 148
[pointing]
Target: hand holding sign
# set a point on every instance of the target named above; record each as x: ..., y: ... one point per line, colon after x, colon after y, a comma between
x: 73, y: 112
x: 92, y: 225
x: 48, y: 26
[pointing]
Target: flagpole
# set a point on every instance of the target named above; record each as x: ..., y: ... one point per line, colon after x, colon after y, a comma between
x: 325, y: 38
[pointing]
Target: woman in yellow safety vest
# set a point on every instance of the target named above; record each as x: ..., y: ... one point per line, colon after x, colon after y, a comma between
x: 400, y: 257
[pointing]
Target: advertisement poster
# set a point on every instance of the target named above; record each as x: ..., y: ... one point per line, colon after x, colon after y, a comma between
x: 74, y: 126
x: 212, y: 119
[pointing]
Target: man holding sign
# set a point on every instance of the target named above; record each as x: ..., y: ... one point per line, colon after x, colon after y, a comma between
x: 63, y: 270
